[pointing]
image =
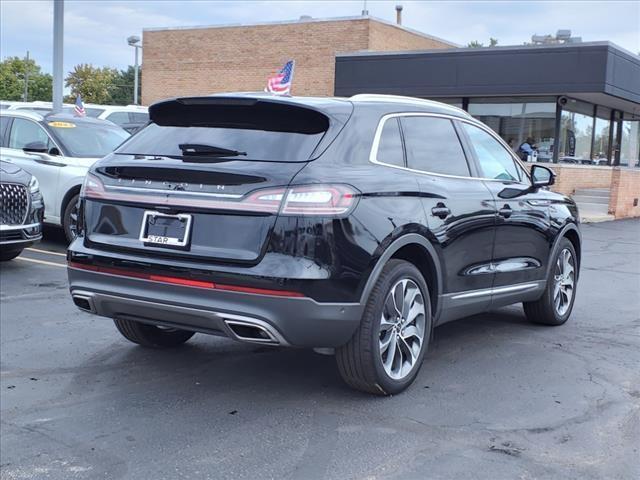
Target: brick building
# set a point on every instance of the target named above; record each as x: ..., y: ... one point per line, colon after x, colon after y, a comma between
x: 205, y: 60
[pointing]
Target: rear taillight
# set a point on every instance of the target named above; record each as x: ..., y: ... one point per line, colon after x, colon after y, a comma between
x: 92, y: 187
x: 321, y: 200
x: 327, y: 200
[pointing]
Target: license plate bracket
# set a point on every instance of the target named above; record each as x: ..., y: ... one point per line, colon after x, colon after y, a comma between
x: 165, y: 230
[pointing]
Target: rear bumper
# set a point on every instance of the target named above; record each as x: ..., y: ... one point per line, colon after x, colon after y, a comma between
x: 298, y: 322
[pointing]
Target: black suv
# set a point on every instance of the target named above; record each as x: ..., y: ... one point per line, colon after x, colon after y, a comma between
x: 350, y: 224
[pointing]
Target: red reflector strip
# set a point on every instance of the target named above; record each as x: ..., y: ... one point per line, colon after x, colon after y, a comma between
x: 186, y: 282
x: 181, y: 281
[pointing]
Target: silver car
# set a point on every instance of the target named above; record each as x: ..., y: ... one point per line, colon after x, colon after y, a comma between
x: 57, y: 150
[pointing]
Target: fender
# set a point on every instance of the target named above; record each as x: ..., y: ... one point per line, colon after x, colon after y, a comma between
x: 556, y: 245
x: 411, y: 238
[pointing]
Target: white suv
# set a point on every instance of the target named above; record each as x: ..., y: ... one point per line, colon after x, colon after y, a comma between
x: 129, y: 117
x: 57, y: 149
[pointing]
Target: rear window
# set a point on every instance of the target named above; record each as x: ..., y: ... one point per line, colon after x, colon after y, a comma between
x: 83, y: 139
x: 262, y: 131
x: 257, y: 144
x: 139, y: 117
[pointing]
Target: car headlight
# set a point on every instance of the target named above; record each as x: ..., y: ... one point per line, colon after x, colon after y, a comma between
x: 34, y: 186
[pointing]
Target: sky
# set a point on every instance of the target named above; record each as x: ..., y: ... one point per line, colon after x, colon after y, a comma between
x: 96, y: 31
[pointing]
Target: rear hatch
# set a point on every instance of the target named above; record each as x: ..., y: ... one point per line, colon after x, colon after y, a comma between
x: 206, y: 178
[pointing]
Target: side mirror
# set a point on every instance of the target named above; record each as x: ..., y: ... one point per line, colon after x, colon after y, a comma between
x: 35, y: 147
x: 542, y: 176
x: 54, y: 152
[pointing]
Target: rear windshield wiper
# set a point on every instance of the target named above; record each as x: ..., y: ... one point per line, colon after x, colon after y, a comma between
x: 199, y: 150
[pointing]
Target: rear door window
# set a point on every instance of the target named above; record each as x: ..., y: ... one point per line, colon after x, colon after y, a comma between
x: 390, y: 144
x: 433, y: 146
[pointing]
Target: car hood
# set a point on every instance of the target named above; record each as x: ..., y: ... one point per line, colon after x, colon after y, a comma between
x: 8, y: 168
x: 11, y: 173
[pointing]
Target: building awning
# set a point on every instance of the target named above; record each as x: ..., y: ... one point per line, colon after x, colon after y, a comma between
x: 597, y: 72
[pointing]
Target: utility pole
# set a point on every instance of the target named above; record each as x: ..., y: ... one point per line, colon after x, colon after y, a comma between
x: 25, y: 96
x: 58, y: 32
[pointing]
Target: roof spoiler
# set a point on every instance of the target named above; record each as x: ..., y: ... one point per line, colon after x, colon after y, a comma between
x: 271, y: 114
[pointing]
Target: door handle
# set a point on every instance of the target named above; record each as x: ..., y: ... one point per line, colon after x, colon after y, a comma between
x: 505, y: 211
x: 441, y: 211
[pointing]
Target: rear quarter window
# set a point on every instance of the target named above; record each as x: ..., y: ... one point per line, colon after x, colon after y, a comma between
x: 390, y: 144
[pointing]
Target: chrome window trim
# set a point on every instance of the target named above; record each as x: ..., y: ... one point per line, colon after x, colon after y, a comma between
x: 373, y: 154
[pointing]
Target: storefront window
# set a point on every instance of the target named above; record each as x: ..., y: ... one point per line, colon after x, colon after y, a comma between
x: 601, y: 142
x: 519, y: 120
x: 576, y: 130
x: 630, y: 143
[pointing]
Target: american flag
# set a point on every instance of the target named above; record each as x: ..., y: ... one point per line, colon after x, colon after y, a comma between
x: 78, y: 108
x: 280, y: 83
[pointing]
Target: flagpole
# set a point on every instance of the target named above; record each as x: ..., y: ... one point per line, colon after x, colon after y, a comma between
x: 293, y: 70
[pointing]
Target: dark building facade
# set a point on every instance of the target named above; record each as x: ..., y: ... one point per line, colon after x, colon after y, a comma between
x: 580, y: 103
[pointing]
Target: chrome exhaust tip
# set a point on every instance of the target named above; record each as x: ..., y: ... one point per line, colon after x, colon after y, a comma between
x: 83, y: 302
x: 253, y: 331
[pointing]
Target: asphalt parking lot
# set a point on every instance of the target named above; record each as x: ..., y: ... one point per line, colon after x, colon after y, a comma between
x: 496, y: 398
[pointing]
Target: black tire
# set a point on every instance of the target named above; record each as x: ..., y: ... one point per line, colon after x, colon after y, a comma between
x: 6, y: 255
x: 150, y: 335
x: 70, y: 219
x: 360, y: 361
x: 544, y: 310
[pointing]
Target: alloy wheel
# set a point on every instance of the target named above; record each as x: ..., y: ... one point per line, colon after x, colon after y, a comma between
x: 564, y: 282
x: 73, y: 221
x: 402, y: 328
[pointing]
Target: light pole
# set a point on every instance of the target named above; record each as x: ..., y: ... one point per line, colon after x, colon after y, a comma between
x: 58, y: 32
x: 134, y: 41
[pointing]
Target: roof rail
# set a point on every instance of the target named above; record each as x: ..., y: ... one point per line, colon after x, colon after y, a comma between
x: 378, y: 97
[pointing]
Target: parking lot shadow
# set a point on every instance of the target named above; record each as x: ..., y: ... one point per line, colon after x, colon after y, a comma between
x: 212, y: 366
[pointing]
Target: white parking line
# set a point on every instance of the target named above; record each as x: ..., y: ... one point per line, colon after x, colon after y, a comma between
x: 45, y: 251
x: 42, y: 262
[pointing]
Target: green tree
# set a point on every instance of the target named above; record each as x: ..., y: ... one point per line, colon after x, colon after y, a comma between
x: 92, y: 83
x: 476, y: 44
x: 12, y: 78
x: 122, y: 88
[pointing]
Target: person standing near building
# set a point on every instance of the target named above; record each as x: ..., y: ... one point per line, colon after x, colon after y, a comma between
x: 526, y: 150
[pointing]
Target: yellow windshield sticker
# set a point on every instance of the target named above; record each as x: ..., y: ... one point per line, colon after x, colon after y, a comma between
x: 62, y: 124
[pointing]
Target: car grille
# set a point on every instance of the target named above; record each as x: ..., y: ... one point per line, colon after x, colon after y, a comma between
x: 14, y: 203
